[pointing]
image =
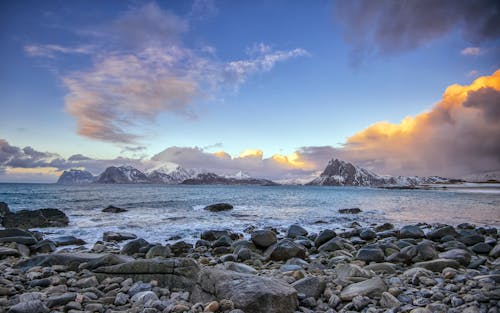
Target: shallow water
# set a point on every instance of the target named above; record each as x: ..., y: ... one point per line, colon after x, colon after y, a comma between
x: 157, y: 212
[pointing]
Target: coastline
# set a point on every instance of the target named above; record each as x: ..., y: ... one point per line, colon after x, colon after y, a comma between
x: 380, y: 268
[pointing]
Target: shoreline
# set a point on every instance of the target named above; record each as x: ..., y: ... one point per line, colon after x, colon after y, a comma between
x: 415, y: 268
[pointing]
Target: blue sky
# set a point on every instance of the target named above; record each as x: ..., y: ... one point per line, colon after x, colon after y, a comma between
x: 276, y: 76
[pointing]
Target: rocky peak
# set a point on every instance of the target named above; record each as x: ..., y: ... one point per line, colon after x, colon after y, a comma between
x: 75, y: 176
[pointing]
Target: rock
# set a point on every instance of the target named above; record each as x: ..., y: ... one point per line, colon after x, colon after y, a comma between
x: 346, y: 271
x: 460, y: 255
x: 263, y: 238
x: 284, y: 250
x: 6, y: 252
x: 367, y: 234
x: 218, y: 207
x: 223, y: 241
x: 178, y: 273
x: 495, y: 252
x: 133, y: 247
x: 158, y: 251
x: 389, y: 301
x: 438, y: 265
x: 17, y: 235
x: 350, y: 211
x: 86, y: 282
x: 35, y: 219
x: 360, y: 302
x: 422, y: 251
x: 121, y: 299
x: 60, y: 299
x: 4, y: 209
x: 181, y: 248
x: 441, y: 232
x: 470, y: 237
x: 371, y: 287
x: 44, y: 246
x: 324, y: 236
x: 370, y: 253
x: 295, y: 231
x: 212, y: 235
x: 310, y: 286
x: 250, y: 293
x: 411, y: 231
x: 386, y: 268
x: 334, y: 244
x: 144, y: 297
x: 115, y: 236
x: 481, y: 248
x: 34, y: 306
x: 240, y: 268
x: 71, y: 260
x: 384, y: 227
x: 113, y: 209
x: 67, y: 241
x: 212, y: 307
x: 94, y: 307
x: 139, y: 287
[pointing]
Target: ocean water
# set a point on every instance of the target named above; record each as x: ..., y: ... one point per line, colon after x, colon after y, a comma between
x: 158, y: 212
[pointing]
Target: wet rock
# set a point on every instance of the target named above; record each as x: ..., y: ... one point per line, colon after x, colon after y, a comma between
x: 367, y: 234
x: 60, y: 299
x: 4, y: 209
x: 44, y: 246
x: 348, y: 270
x: 470, y: 237
x: 113, y: 209
x: 263, y: 238
x: 67, y: 241
x: 386, y: 268
x: 284, y: 250
x: 181, y: 248
x: 218, y: 207
x: 250, y: 293
x: 223, y: 241
x: 495, y: 252
x: 6, y: 252
x: 350, y: 211
x: 158, y: 251
x: 481, y: 248
x: 17, y: 235
x: 439, y: 233
x: 310, y: 286
x: 389, y: 301
x: 134, y: 246
x: 295, y: 231
x: 384, y: 227
x: 334, y: 244
x: 370, y: 253
x: 324, y: 236
x: 212, y: 235
x: 371, y: 287
x: 117, y: 236
x: 411, y: 231
x: 34, y: 306
x: 438, y: 265
x: 35, y: 219
x: 460, y: 255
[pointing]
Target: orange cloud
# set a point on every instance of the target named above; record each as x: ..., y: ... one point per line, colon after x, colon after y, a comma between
x: 34, y: 170
x: 254, y: 153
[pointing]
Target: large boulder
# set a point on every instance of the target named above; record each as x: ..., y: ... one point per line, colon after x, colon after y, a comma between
x: 250, y: 293
x: 17, y: 235
x: 263, y: 238
x: 370, y: 253
x: 71, y: 260
x: 284, y: 250
x: 117, y: 236
x: 32, y: 306
x: 310, y: 286
x: 68, y: 241
x: 411, y: 231
x: 324, y: 236
x: 181, y: 273
x: 295, y: 231
x: 462, y: 256
x: 217, y: 207
x: 134, y: 246
x: 440, y: 232
x: 4, y: 209
x: 35, y: 219
x: 372, y: 287
x: 438, y: 265
x: 334, y: 244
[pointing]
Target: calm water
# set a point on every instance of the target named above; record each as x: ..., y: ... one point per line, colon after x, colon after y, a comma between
x: 157, y: 212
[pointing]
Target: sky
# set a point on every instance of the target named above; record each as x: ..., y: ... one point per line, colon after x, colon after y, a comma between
x: 272, y: 88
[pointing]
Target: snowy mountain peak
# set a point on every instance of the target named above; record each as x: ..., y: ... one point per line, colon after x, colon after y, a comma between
x: 342, y: 173
x: 75, y: 176
x: 124, y: 174
x: 239, y: 175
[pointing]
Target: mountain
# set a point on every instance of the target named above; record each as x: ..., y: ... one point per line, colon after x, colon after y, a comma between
x: 342, y: 173
x: 214, y: 179
x: 73, y: 176
x: 170, y: 173
x: 487, y: 177
x: 122, y: 175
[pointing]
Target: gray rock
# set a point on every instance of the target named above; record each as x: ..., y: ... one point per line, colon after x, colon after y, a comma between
x: 223, y: 241
x: 345, y: 271
x: 44, y: 246
x: 113, y: 209
x: 350, y: 211
x: 134, y: 246
x: 86, y: 282
x: 67, y: 241
x: 17, y: 235
x: 295, y: 231
x: 6, y: 252
x: 310, y: 286
x: 218, y: 207
x: 212, y: 235
x: 139, y: 287
x: 460, y: 255
x: 4, y: 209
x: 240, y: 268
x: 34, y: 306
x: 284, y: 250
x: 263, y: 238
x: 59, y: 300
x: 411, y: 231
x: 334, y: 244
x: 324, y: 236
x: 470, y: 237
x: 360, y: 302
x: 389, y: 301
x: 144, y: 297
x: 387, y: 268
x: 71, y: 260
x: 371, y: 287
x: 440, y: 232
x: 495, y: 252
x: 35, y: 219
x: 121, y: 299
x: 250, y: 293
x: 438, y: 265
x: 481, y: 248
x: 117, y: 236
x: 370, y: 253
x: 178, y: 273
x: 367, y: 234
x: 158, y: 251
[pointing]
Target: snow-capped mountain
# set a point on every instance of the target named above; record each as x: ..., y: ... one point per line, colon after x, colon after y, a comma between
x: 74, y: 176
x: 342, y: 173
x: 483, y: 177
x: 238, y: 175
x: 170, y: 173
x: 122, y: 175
x: 214, y: 179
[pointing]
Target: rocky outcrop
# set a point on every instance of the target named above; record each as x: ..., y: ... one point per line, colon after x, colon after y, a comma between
x: 35, y: 219
x: 341, y: 173
x: 75, y: 177
x: 218, y: 207
x: 214, y: 179
x: 122, y: 175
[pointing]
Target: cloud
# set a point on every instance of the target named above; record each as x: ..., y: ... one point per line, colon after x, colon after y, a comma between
x: 203, y: 9
x: 471, y: 51
x: 388, y: 26
x: 141, y: 67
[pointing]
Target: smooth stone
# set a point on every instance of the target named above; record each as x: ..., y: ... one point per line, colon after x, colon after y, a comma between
x: 334, y: 244
x: 367, y: 234
x: 481, y: 248
x: 71, y: 260
x: 324, y: 236
x: 240, y: 268
x: 143, y: 297
x: 460, y: 255
x: 67, y: 241
x: 310, y: 286
x: 60, y: 299
x: 218, y: 207
x: 121, y: 299
x: 411, y: 231
x: 87, y: 282
x: 386, y: 268
x: 284, y: 250
x: 351, y: 270
x: 350, y: 211
x: 263, y: 238
x: 438, y: 233
x: 438, y: 265
x: 371, y: 287
x: 35, y: 219
x: 6, y: 252
x: 113, y: 209
x: 117, y: 236
x: 44, y: 246
x: 389, y: 301
x: 295, y: 231
x: 134, y: 246
x: 495, y: 252
x: 158, y: 251
x: 370, y: 254
x: 139, y: 287
x: 34, y: 306
x: 212, y: 235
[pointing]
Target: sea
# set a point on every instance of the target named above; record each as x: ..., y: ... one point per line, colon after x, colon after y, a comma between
x: 163, y: 213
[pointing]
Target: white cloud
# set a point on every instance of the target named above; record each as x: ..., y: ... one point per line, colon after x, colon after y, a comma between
x: 471, y: 51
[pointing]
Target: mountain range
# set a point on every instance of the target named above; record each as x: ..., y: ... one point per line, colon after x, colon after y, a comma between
x: 336, y: 173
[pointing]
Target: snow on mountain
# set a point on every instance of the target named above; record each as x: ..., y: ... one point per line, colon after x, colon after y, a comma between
x: 170, y: 173
x: 214, y: 179
x: 122, y: 175
x: 74, y: 176
x: 493, y: 176
x: 239, y: 175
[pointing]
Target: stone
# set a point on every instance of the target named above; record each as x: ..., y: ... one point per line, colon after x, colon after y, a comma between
x: 113, y: 209
x: 263, y: 238
x: 250, y: 293
x: 178, y: 273
x: 121, y: 299
x: 6, y: 252
x: 4, y: 209
x: 212, y: 235
x: 371, y: 288
x: 94, y: 307
x: 384, y: 227
x: 438, y: 265
x: 360, y: 302
x: 284, y: 250
x: 386, y: 268
x: 470, y: 237
x: 139, y: 287
x: 117, y: 236
x: 310, y: 286
x: 367, y: 234
x: 350, y: 211
x: 495, y: 252
x: 441, y: 232
x: 218, y: 207
x: 460, y: 255
x: 158, y: 251
x: 71, y: 260
x: 295, y: 231
x: 370, y: 253
x: 59, y: 300
x: 87, y: 282
x: 212, y: 307
x: 324, y: 236
x: 411, y: 231
x: 68, y: 241
x: 44, y: 246
x: 223, y: 241
x: 35, y: 219
x: 349, y: 270
x: 481, y: 248
x: 144, y: 297
x: 240, y: 268
x: 134, y: 246
x: 334, y: 244
x: 181, y: 248
x: 34, y: 306
x: 389, y: 301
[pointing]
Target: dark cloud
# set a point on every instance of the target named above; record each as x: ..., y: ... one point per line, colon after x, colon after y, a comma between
x: 487, y: 100
x: 392, y: 26
x: 78, y: 157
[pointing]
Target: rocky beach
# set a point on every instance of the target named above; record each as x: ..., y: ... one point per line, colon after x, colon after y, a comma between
x: 376, y: 268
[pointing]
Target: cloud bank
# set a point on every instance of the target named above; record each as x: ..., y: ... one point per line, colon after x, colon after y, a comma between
x: 141, y: 67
